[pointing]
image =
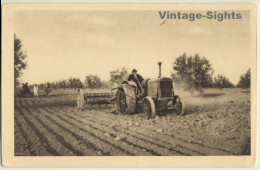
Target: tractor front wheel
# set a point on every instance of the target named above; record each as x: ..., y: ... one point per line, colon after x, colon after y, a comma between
x: 149, y: 108
x: 180, y: 107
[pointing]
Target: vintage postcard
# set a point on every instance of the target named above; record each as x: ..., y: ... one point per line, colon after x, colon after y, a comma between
x: 129, y: 85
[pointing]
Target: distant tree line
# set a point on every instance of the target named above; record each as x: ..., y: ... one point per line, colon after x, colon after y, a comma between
x: 91, y: 81
x: 196, y: 73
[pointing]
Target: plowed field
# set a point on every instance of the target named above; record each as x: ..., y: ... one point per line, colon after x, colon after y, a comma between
x: 215, y: 124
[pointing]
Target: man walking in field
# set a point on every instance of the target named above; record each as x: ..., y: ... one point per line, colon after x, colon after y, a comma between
x: 80, y: 99
x: 35, y: 90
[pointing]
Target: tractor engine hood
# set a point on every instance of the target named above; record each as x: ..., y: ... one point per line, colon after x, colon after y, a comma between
x: 160, y: 87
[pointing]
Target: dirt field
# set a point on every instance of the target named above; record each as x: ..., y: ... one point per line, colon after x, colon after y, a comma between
x: 216, y: 123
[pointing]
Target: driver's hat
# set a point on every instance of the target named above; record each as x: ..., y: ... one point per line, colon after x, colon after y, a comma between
x: 134, y: 71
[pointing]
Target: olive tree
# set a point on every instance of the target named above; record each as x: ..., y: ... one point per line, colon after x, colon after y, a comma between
x: 75, y: 83
x: 19, y: 57
x: 245, y: 80
x: 195, y: 72
x: 117, y: 76
x: 92, y: 81
x: 222, y: 82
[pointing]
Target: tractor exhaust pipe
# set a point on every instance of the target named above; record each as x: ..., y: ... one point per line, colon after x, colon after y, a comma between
x: 160, y: 63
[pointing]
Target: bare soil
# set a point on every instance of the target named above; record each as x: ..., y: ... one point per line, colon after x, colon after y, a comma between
x: 216, y: 123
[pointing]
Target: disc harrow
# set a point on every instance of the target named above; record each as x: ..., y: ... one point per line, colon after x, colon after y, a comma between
x: 99, y: 98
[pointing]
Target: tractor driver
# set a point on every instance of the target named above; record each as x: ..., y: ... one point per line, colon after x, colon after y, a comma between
x: 137, y: 79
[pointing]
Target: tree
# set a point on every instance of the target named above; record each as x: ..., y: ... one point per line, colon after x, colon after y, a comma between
x: 78, y: 83
x: 117, y: 76
x: 105, y: 84
x: 42, y: 85
x: 19, y: 63
x: 92, y: 81
x: 55, y: 85
x: 75, y: 83
x: 195, y: 72
x: 63, y: 84
x: 222, y: 82
x: 245, y: 80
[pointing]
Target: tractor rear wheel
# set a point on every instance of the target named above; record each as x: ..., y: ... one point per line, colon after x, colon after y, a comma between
x: 121, y: 101
x: 126, y: 100
x: 149, y: 108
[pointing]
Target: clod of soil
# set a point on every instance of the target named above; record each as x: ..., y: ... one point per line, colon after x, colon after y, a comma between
x: 117, y: 138
x: 137, y: 124
x: 159, y: 130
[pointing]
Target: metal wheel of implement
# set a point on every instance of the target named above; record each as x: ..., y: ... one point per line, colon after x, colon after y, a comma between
x: 149, y: 108
x: 121, y: 101
x: 180, y: 107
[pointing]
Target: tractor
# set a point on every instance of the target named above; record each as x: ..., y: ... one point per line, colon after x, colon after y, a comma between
x: 158, y: 95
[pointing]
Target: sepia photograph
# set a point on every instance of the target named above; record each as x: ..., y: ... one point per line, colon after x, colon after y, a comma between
x: 99, y: 82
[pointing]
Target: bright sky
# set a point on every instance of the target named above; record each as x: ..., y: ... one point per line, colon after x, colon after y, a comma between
x: 63, y: 44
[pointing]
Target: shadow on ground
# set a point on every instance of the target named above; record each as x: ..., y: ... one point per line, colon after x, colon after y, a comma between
x: 209, y: 95
x: 246, y: 91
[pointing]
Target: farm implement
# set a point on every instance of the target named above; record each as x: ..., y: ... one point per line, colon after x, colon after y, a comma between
x: 99, y: 98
